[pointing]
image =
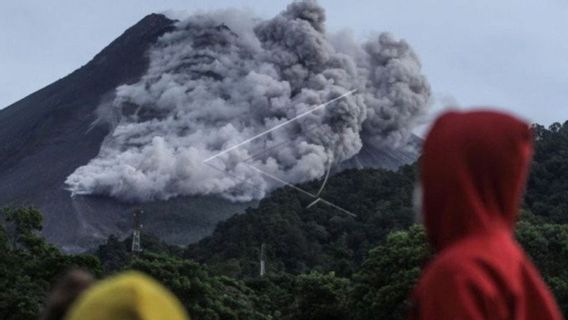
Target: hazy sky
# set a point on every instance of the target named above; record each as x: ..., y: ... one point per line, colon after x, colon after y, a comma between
x: 511, y: 54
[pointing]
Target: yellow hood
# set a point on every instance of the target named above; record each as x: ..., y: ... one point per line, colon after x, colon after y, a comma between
x: 130, y: 295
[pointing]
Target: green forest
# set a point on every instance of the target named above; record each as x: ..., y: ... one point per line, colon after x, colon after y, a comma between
x: 320, y: 263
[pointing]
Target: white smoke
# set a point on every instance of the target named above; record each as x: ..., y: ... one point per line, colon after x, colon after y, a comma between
x: 223, y: 77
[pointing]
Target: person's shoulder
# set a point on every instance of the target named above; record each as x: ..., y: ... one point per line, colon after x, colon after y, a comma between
x: 478, y: 251
x: 449, y: 264
x: 456, y: 258
x: 450, y: 274
x: 461, y: 263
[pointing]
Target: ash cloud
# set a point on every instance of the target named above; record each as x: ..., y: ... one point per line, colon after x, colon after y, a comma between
x: 223, y: 77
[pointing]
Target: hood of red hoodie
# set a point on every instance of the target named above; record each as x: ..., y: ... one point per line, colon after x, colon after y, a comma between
x: 473, y: 171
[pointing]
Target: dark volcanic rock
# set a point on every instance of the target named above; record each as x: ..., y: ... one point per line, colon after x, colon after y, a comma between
x: 391, y: 159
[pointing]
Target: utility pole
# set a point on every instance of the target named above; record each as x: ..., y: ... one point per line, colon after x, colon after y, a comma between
x: 262, y: 261
x: 137, y: 226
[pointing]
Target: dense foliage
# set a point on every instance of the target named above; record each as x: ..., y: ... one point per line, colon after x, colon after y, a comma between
x: 547, y: 192
x: 205, y: 296
x: 28, y: 264
x: 322, y: 264
x: 547, y: 244
x: 385, y: 279
x: 299, y: 239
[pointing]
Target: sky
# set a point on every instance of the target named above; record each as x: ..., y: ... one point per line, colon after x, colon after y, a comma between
x: 507, y: 54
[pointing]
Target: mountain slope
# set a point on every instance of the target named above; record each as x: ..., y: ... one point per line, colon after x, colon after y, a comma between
x: 47, y: 135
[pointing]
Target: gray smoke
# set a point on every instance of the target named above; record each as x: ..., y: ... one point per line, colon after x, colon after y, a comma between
x: 223, y: 77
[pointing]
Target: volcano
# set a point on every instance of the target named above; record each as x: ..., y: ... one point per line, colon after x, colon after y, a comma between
x: 48, y: 135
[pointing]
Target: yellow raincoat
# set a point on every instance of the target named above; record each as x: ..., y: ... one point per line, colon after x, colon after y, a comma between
x: 130, y: 295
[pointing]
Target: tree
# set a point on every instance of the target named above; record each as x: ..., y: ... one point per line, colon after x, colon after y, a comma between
x: 547, y: 245
x: 547, y: 189
x: 28, y: 264
x: 205, y: 297
x: 384, y: 282
x: 321, y: 297
x: 22, y: 226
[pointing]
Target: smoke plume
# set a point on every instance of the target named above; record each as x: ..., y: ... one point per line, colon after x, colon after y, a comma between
x: 223, y: 77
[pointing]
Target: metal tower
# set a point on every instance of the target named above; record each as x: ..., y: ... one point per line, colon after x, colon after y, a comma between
x: 136, y: 247
x: 262, y: 261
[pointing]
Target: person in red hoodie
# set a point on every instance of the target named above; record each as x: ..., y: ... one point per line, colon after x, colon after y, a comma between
x: 473, y: 172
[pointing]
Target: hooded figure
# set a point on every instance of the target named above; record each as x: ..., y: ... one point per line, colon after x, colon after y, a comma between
x: 473, y: 171
x: 128, y: 296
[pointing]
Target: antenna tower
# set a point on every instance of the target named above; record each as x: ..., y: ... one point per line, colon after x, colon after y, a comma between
x: 137, y: 226
x: 262, y: 261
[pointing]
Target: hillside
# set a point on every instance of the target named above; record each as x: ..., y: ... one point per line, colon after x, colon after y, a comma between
x: 298, y: 239
x: 48, y: 134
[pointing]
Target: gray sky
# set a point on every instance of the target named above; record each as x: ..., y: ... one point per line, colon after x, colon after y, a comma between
x: 511, y: 54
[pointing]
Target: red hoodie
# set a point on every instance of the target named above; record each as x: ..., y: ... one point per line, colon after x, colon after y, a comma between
x: 473, y: 171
